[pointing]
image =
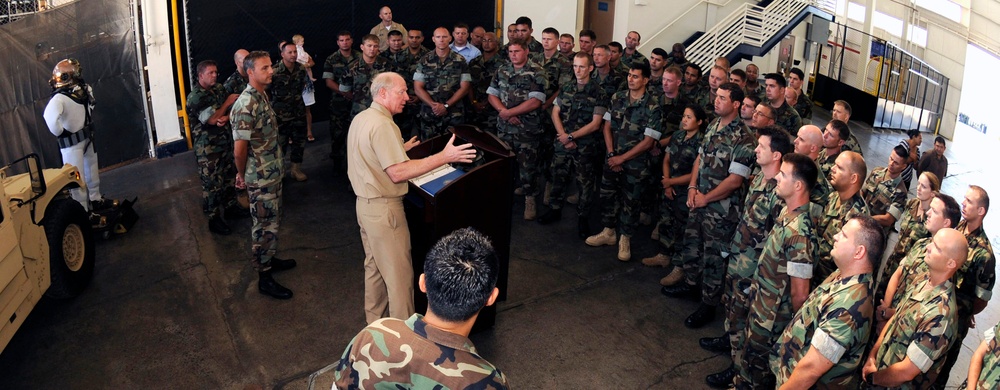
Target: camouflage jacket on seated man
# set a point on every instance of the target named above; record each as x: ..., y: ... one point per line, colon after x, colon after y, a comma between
x: 392, y: 353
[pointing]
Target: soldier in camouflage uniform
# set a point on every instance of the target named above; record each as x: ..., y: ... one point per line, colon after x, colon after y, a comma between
x: 576, y: 116
x: 917, y: 337
x: 207, y: 106
x: 884, y: 191
x: 402, y: 62
x: 424, y: 351
x: 259, y: 166
x: 517, y: 92
x: 482, y: 69
x: 754, y: 86
x: 781, y: 282
x: 673, y: 101
x: 726, y: 154
x: 692, y: 87
x: 912, y: 228
x: 984, y: 370
x: 975, y: 279
x: 335, y: 69
x: 632, y: 125
x: 237, y: 81
x: 760, y: 210
x: 843, y: 203
x: 809, y: 142
x: 360, y: 72
x: 835, y: 135
x: 290, y: 79
x: 631, y: 53
x: 441, y: 80
x: 609, y: 79
x: 657, y: 64
x: 558, y: 71
x: 842, y: 111
x: 833, y: 326
x: 784, y: 115
x: 803, y: 105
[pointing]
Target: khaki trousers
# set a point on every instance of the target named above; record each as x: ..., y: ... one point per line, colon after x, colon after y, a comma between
x: 388, y: 269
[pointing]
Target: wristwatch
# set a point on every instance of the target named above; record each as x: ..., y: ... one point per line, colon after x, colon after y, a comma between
x: 446, y: 105
x: 569, y: 136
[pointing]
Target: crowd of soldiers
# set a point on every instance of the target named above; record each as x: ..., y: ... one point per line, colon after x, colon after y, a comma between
x: 758, y: 210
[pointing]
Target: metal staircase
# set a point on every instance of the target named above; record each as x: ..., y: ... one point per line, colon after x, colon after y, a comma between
x: 754, y: 29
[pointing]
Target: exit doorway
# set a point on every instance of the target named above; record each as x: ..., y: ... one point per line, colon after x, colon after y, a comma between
x: 599, y: 16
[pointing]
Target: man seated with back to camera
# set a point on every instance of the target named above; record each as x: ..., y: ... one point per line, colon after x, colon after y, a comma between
x: 432, y: 350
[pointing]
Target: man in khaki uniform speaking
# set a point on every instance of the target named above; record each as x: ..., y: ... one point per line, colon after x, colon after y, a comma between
x: 378, y: 168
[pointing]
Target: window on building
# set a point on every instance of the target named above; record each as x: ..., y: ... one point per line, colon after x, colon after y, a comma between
x: 948, y: 9
x: 856, y: 12
x: 888, y: 23
x: 917, y: 35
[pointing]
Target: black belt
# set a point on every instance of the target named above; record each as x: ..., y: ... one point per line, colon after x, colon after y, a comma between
x: 67, y: 139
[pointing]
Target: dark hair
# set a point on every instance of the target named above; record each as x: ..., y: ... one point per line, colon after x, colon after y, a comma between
x: 912, y: 133
x: 753, y: 98
x: 585, y: 55
x: 343, y: 33
x: 523, y: 20
x: 952, y: 210
x: 939, y: 140
x: 460, y: 273
x: 739, y: 73
x: 678, y: 47
x: 519, y: 42
x: 699, y: 114
x: 660, y: 52
x: 984, y: 197
x: 616, y: 45
x: 735, y: 92
x: 204, y: 65
x: 568, y: 35
x: 551, y: 30
x: 252, y: 58
x: 798, y: 72
x: 872, y: 237
x: 781, y: 141
x: 696, y: 67
x: 642, y: 67
x: 842, y: 129
x: 901, y: 151
x: 370, y: 38
x: 778, y: 78
x: 395, y: 33
x: 588, y: 33
x: 636, y: 34
x: 282, y: 44
x: 845, y: 104
x: 804, y: 169
x: 460, y: 25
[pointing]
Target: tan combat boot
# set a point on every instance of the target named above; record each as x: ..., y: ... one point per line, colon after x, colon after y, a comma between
x: 529, y: 208
x: 624, y: 249
x: 660, y: 260
x: 605, y: 237
x: 296, y: 172
x: 676, y: 275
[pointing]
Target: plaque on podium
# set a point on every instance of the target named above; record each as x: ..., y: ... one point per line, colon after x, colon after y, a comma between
x: 479, y: 194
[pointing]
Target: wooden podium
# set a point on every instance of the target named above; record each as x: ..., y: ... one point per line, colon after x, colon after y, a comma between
x: 479, y: 195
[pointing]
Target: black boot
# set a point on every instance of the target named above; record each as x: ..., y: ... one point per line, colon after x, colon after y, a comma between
x: 237, y: 212
x: 722, y: 379
x: 550, y: 216
x: 219, y: 226
x: 715, y: 344
x: 700, y: 317
x: 583, y: 227
x: 278, y: 265
x: 270, y: 287
x: 682, y: 290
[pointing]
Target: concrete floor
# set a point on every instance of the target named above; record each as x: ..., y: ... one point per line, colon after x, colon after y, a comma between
x: 174, y: 306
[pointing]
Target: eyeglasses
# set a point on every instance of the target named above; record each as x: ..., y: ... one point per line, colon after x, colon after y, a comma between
x: 761, y: 113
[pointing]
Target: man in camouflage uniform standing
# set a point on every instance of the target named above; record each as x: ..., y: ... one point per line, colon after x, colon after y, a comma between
x: 909, y: 352
x: 632, y: 125
x: 237, y: 81
x: 610, y: 80
x: 884, y: 191
x: 208, y: 106
x: 835, y: 135
x: 781, y: 283
x: 843, y: 203
x: 976, y: 277
x: 692, y: 87
x: 360, y: 73
x: 984, y: 369
x: 760, y: 211
x: 714, y: 197
x: 824, y: 344
x: 286, y: 93
x: 842, y: 111
x: 517, y: 92
x: 576, y: 115
x: 482, y: 69
x: 334, y: 69
x: 784, y: 115
x: 632, y: 53
x: 259, y: 167
x: 401, y: 61
x: 441, y: 81
x: 803, y: 104
x: 434, y: 349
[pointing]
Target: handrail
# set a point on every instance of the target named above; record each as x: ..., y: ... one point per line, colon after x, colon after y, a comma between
x: 682, y: 16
